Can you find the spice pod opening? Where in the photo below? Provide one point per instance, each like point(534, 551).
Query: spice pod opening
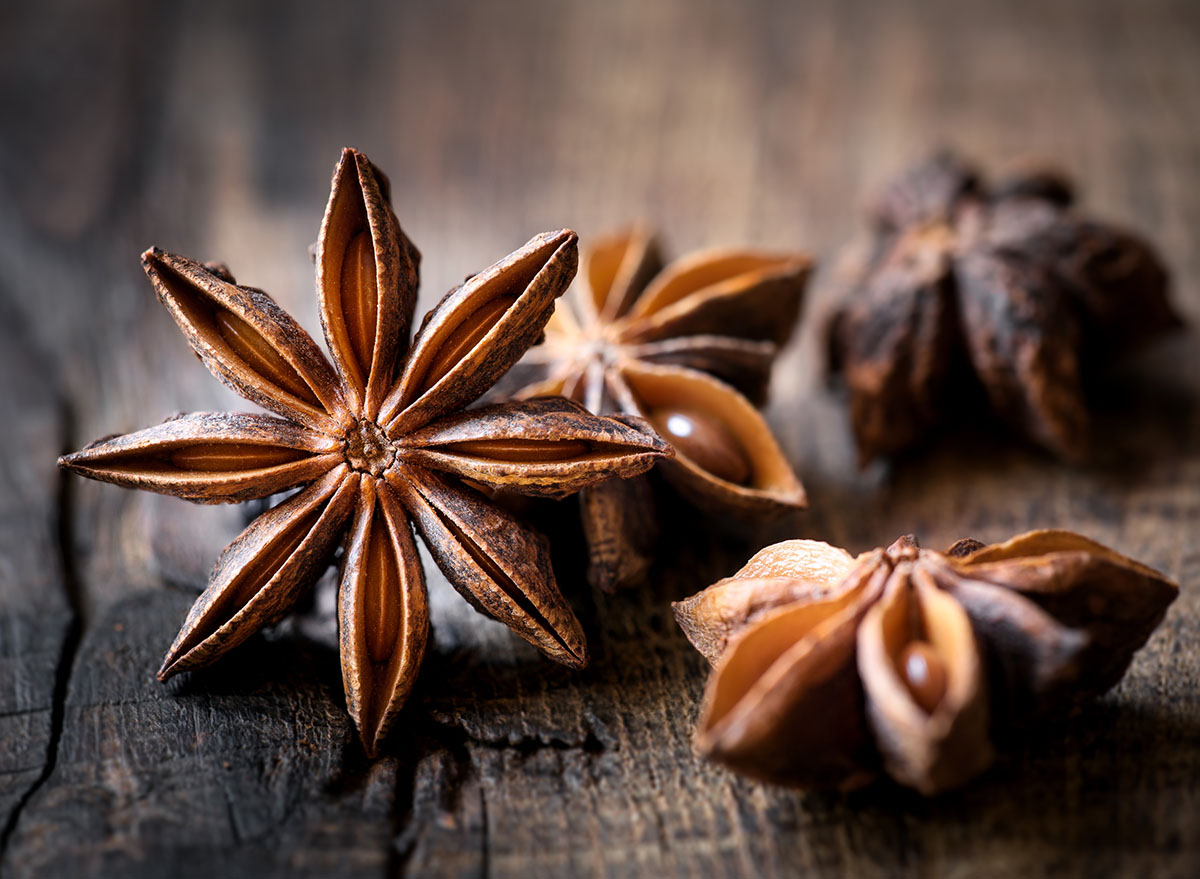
point(783, 704)
point(615, 270)
point(739, 293)
point(922, 675)
point(726, 456)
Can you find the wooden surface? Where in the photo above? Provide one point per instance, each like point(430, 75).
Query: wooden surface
point(211, 128)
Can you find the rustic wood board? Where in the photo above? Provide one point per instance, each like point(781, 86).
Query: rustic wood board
point(211, 129)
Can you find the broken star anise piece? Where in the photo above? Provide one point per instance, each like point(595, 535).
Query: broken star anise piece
point(829, 668)
point(1006, 295)
point(675, 345)
point(381, 441)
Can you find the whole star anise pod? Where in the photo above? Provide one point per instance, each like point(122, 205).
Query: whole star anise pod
point(675, 345)
point(1008, 289)
point(382, 442)
point(829, 669)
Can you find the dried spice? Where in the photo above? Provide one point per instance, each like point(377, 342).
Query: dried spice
point(688, 347)
point(1005, 295)
point(381, 441)
point(830, 669)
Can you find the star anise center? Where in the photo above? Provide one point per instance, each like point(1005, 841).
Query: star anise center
point(599, 345)
point(597, 341)
point(368, 449)
point(904, 549)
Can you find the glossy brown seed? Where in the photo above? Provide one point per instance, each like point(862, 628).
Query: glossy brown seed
point(248, 342)
point(383, 601)
point(260, 356)
point(465, 337)
point(210, 457)
point(257, 571)
point(549, 446)
point(924, 674)
point(342, 437)
point(521, 450)
point(263, 571)
point(360, 296)
point(705, 441)
point(930, 656)
point(226, 457)
point(638, 336)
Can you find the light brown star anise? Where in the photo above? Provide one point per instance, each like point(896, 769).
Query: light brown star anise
point(1004, 294)
point(382, 442)
point(675, 345)
point(829, 669)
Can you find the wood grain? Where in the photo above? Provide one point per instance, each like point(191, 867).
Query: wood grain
point(211, 129)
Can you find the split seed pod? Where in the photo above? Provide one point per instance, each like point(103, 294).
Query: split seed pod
point(830, 669)
point(689, 347)
point(382, 438)
point(1005, 293)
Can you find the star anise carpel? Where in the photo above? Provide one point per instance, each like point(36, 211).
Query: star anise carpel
point(1004, 294)
point(381, 441)
point(830, 669)
point(689, 346)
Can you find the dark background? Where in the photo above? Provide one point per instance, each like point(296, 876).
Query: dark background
point(211, 129)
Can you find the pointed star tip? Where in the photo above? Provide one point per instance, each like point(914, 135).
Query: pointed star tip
point(370, 739)
point(168, 669)
point(576, 657)
point(563, 237)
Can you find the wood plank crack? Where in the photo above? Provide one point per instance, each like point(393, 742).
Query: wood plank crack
point(71, 636)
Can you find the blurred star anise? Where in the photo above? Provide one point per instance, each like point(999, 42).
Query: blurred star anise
point(675, 345)
point(829, 669)
point(382, 442)
point(1008, 288)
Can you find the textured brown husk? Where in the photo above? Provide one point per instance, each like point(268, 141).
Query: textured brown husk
point(700, 333)
point(1007, 288)
point(808, 687)
point(383, 442)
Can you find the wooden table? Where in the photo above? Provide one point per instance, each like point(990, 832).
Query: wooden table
point(211, 129)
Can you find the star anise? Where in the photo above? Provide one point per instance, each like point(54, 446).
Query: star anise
point(1008, 288)
point(830, 668)
point(675, 345)
point(382, 442)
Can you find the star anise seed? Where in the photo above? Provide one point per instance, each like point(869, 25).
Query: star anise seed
point(829, 669)
point(381, 442)
point(1005, 294)
point(675, 345)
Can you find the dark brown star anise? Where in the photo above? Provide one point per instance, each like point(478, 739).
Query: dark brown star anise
point(675, 345)
point(830, 668)
point(381, 439)
point(1010, 289)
